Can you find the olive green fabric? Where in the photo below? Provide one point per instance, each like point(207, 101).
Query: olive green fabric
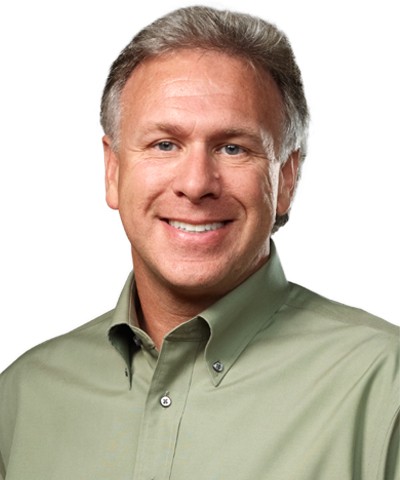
point(272, 382)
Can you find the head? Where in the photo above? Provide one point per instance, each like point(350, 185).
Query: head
point(205, 119)
point(264, 47)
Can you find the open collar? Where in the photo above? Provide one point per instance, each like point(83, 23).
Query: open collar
point(233, 321)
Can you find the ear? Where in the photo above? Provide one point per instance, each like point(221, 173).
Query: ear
point(287, 182)
point(111, 164)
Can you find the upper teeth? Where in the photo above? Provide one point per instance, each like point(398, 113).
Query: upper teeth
point(188, 227)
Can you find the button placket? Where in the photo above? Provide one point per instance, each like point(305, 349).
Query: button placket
point(164, 408)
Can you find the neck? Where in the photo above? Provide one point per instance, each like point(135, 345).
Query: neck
point(161, 312)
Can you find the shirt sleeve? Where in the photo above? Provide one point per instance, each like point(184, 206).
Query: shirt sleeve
point(392, 462)
point(2, 469)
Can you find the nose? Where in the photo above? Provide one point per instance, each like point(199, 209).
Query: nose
point(197, 176)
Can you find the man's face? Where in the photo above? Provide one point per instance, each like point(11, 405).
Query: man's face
point(195, 177)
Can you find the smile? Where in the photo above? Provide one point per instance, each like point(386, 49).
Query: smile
point(188, 227)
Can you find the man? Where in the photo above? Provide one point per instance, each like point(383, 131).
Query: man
point(212, 365)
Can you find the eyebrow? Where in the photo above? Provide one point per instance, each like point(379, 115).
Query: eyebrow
point(170, 128)
point(176, 130)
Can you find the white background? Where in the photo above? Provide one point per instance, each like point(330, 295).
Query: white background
point(64, 256)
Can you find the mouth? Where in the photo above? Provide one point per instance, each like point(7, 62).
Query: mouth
point(196, 228)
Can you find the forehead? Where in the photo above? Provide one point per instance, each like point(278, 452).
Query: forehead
point(202, 77)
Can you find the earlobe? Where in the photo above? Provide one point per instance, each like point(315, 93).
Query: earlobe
point(287, 182)
point(111, 164)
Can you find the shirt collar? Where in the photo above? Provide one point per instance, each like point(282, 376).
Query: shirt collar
point(233, 321)
point(120, 333)
point(236, 318)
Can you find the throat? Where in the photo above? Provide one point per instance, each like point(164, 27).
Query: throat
point(160, 317)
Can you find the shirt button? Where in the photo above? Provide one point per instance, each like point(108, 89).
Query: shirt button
point(165, 401)
point(218, 366)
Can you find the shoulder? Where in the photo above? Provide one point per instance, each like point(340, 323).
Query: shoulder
point(352, 342)
point(48, 376)
point(58, 349)
point(332, 314)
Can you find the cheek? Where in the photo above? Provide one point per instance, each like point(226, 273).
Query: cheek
point(262, 188)
point(140, 185)
point(271, 191)
point(270, 183)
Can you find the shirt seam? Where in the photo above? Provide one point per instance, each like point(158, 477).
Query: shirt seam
point(344, 322)
point(386, 439)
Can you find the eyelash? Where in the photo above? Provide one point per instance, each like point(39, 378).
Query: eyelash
point(230, 145)
point(170, 147)
point(164, 143)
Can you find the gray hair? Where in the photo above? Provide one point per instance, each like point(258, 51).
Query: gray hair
point(261, 43)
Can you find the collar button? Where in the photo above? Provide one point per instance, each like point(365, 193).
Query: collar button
point(218, 366)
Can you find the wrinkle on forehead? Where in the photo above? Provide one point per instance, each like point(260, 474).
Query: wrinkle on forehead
point(211, 59)
point(198, 76)
point(202, 76)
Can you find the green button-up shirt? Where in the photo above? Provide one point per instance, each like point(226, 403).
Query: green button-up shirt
point(271, 382)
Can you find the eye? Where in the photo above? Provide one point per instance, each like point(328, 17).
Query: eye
point(165, 146)
point(232, 149)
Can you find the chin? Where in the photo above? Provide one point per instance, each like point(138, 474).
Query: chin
point(196, 284)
